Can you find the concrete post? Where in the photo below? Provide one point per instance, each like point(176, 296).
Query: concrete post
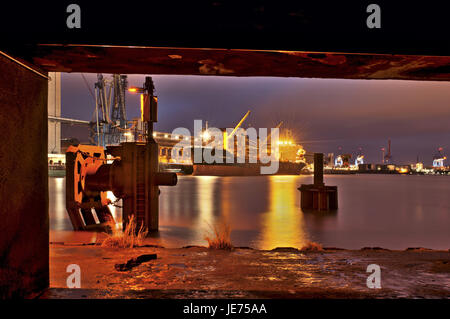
point(24, 228)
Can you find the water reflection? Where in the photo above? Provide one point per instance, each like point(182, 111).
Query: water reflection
point(57, 191)
point(283, 225)
point(207, 202)
point(388, 211)
point(115, 209)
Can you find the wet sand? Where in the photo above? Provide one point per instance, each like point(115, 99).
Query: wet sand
point(199, 272)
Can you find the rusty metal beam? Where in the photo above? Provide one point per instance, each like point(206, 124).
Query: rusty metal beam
point(322, 39)
point(233, 62)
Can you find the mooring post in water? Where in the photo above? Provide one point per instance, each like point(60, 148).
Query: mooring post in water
point(318, 169)
point(317, 196)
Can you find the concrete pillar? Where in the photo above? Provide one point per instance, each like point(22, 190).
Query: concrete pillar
point(54, 109)
point(24, 229)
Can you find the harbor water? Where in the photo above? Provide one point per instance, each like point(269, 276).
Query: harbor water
point(389, 211)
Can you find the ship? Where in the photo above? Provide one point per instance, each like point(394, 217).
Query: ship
point(290, 157)
point(244, 169)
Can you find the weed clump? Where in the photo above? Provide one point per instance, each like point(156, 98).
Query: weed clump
point(128, 238)
point(312, 246)
point(219, 236)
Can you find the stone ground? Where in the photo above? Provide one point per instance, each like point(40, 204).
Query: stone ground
point(198, 272)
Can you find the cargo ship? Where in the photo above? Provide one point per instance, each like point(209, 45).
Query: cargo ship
point(244, 169)
point(290, 158)
point(289, 155)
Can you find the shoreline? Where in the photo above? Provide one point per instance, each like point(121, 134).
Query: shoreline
point(284, 272)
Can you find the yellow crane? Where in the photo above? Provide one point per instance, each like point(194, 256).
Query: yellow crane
point(267, 138)
point(278, 126)
point(226, 137)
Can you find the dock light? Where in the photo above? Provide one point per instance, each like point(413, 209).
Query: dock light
point(134, 89)
point(128, 134)
point(166, 135)
point(206, 135)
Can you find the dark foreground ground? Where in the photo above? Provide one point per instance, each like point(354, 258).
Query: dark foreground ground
point(198, 272)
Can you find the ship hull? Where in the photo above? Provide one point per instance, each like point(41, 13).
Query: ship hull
point(248, 169)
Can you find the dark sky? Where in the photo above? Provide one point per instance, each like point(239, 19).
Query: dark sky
point(324, 114)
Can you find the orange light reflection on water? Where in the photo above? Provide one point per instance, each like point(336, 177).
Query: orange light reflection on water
point(205, 202)
point(283, 224)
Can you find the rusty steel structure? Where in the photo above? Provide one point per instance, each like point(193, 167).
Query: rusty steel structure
point(84, 205)
point(131, 174)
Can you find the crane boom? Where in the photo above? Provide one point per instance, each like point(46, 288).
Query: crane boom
point(278, 126)
point(226, 137)
point(239, 124)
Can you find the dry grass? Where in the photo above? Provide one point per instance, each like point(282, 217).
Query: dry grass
point(129, 238)
point(219, 237)
point(312, 246)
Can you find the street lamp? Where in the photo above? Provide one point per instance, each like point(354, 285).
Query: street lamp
point(149, 104)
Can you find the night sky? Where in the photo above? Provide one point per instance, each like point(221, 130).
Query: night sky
point(325, 115)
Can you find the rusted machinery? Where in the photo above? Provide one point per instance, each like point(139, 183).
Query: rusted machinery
point(131, 173)
point(84, 205)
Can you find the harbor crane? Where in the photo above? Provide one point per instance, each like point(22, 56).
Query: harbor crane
point(271, 133)
point(387, 159)
point(109, 119)
point(227, 137)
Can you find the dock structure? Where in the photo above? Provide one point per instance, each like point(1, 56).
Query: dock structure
point(318, 196)
point(26, 58)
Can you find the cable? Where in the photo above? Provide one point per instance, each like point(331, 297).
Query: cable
point(87, 85)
